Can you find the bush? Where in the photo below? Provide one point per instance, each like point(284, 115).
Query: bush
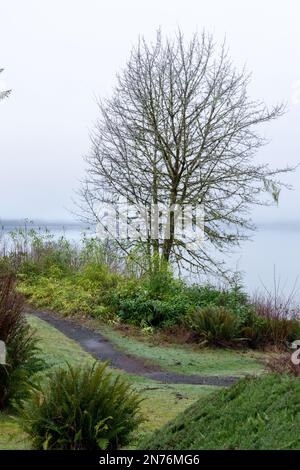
point(256, 331)
point(82, 409)
point(268, 325)
point(154, 300)
point(22, 363)
point(214, 325)
point(22, 359)
point(159, 313)
point(160, 300)
point(217, 325)
point(264, 331)
point(202, 296)
point(64, 295)
point(161, 285)
point(97, 278)
point(284, 330)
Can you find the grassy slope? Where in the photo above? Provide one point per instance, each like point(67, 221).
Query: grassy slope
point(261, 413)
point(162, 402)
point(185, 359)
point(11, 437)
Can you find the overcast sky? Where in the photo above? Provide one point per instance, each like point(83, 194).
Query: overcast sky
point(59, 55)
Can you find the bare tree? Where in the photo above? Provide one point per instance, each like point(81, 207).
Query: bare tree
point(180, 129)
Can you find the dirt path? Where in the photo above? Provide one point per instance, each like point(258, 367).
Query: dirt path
point(101, 348)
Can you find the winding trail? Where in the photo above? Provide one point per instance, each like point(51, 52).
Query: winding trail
point(101, 348)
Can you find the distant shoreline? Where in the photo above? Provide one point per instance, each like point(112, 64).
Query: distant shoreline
point(15, 223)
point(39, 222)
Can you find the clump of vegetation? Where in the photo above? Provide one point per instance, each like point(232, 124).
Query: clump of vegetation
point(215, 325)
point(262, 331)
point(84, 408)
point(153, 299)
point(260, 413)
point(22, 359)
point(283, 364)
point(277, 320)
point(158, 299)
point(95, 280)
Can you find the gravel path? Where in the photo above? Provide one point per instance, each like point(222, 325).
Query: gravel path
point(101, 348)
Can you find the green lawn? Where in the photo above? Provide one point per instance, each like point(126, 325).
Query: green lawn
point(11, 436)
point(162, 402)
point(186, 359)
point(254, 414)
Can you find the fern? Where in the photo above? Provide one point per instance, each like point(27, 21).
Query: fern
point(81, 408)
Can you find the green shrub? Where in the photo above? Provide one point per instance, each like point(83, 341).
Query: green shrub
point(256, 331)
point(6, 267)
point(202, 296)
point(64, 295)
point(217, 325)
point(155, 300)
point(160, 313)
point(214, 325)
point(22, 359)
point(160, 300)
point(98, 252)
point(99, 276)
point(81, 408)
point(16, 376)
point(161, 285)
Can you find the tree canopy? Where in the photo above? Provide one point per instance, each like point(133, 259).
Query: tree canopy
point(181, 129)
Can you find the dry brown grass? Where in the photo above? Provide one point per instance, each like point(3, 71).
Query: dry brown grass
point(282, 364)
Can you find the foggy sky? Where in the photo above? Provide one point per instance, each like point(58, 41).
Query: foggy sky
point(59, 55)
